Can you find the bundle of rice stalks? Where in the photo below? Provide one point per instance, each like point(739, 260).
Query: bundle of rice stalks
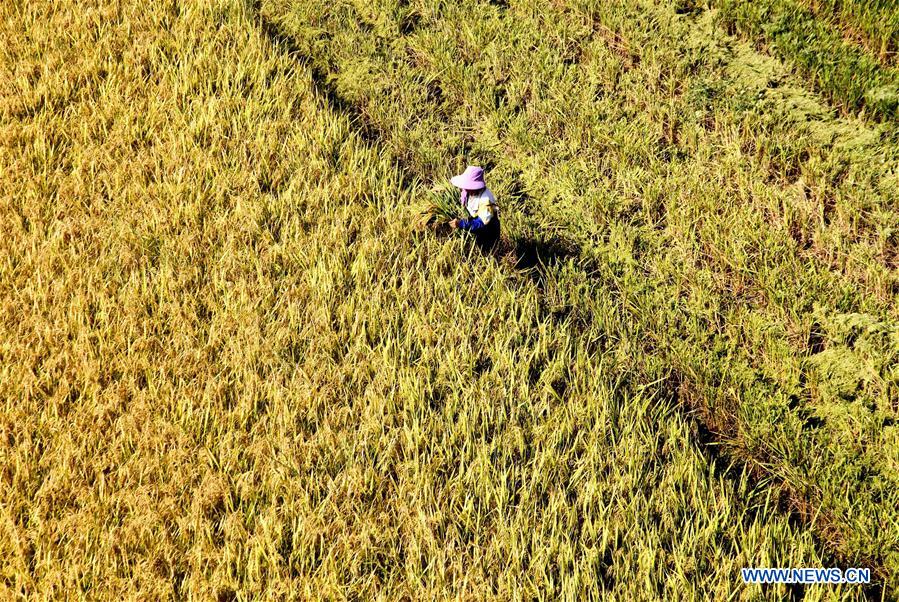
point(443, 206)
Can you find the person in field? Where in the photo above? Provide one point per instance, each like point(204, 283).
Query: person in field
point(481, 206)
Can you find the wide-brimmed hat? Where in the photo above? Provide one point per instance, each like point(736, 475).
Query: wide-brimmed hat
point(471, 179)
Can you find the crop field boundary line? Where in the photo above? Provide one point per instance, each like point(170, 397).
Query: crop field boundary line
point(727, 458)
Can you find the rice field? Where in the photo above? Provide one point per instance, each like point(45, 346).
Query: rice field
point(241, 359)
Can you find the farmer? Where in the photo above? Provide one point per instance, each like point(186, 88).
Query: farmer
point(481, 205)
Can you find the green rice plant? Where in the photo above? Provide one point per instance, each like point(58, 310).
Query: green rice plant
point(852, 77)
point(874, 23)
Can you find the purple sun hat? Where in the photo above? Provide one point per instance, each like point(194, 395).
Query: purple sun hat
point(471, 179)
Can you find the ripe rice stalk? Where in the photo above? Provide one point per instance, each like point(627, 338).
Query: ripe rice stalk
point(442, 206)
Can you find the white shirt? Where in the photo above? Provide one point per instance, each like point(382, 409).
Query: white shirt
point(482, 205)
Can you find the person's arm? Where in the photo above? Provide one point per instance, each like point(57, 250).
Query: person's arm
point(472, 225)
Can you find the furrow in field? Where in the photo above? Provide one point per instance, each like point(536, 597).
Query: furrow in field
point(678, 213)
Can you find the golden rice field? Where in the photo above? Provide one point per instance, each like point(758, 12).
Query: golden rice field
point(236, 364)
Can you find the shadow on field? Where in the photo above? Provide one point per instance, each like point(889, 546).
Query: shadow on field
point(534, 258)
point(530, 253)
